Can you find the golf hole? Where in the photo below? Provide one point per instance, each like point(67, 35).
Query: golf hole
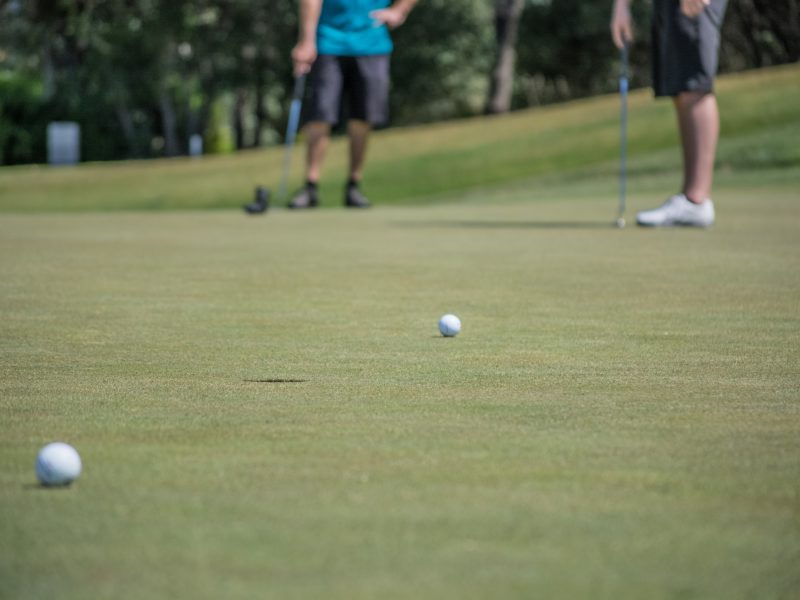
point(275, 380)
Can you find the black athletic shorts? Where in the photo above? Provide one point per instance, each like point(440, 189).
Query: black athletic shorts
point(362, 80)
point(685, 50)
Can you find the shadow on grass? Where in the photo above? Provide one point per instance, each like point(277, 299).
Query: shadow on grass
point(45, 488)
point(510, 224)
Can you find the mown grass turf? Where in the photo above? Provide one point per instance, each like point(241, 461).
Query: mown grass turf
point(265, 409)
point(760, 128)
point(618, 418)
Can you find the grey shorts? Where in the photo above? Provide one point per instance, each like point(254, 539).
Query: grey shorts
point(362, 80)
point(685, 50)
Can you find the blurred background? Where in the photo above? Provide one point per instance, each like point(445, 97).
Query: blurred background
point(143, 78)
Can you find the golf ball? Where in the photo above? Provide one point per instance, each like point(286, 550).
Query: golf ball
point(449, 325)
point(57, 464)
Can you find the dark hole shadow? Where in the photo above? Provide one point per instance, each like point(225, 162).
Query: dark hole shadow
point(275, 380)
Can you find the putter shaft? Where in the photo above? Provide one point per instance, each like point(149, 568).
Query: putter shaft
point(623, 133)
point(291, 132)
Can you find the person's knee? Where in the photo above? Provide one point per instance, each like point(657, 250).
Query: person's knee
point(690, 98)
point(317, 130)
point(358, 126)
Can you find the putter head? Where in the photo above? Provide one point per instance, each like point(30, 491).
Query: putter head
point(260, 204)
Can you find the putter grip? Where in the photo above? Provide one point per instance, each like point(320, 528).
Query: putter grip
point(299, 87)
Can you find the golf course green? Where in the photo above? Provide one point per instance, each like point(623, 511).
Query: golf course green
point(265, 408)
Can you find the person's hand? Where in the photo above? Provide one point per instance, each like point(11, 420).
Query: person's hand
point(392, 17)
point(692, 8)
point(621, 24)
point(303, 55)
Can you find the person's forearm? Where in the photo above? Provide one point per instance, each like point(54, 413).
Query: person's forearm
point(309, 19)
point(404, 5)
point(621, 23)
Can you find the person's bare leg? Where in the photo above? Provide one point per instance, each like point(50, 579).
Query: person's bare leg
point(698, 120)
point(318, 135)
point(358, 131)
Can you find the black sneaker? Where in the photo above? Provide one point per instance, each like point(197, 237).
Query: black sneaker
point(260, 204)
point(305, 198)
point(353, 198)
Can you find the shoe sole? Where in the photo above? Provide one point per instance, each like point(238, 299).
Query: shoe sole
point(668, 225)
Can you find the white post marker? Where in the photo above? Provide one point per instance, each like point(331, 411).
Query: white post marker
point(63, 143)
point(196, 145)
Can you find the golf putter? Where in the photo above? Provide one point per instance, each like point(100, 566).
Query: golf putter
point(261, 202)
point(623, 133)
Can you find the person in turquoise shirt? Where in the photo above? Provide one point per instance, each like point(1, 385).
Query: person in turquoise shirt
point(345, 47)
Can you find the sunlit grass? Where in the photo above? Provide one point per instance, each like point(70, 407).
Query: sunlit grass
point(265, 409)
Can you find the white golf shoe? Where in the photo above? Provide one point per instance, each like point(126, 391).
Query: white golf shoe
point(678, 211)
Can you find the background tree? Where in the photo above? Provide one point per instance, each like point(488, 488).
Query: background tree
point(441, 61)
point(506, 23)
point(760, 33)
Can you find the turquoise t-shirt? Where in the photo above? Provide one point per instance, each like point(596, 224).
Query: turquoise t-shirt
point(346, 29)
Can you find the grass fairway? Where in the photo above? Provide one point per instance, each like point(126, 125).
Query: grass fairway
point(265, 409)
point(618, 418)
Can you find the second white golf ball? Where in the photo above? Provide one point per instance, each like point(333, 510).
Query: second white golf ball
point(58, 464)
point(449, 325)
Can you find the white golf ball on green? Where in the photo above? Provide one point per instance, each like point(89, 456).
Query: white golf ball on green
point(449, 325)
point(57, 464)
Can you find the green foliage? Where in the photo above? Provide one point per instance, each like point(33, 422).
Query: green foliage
point(218, 138)
point(22, 123)
point(442, 60)
point(759, 33)
point(565, 51)
point(135, 73)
